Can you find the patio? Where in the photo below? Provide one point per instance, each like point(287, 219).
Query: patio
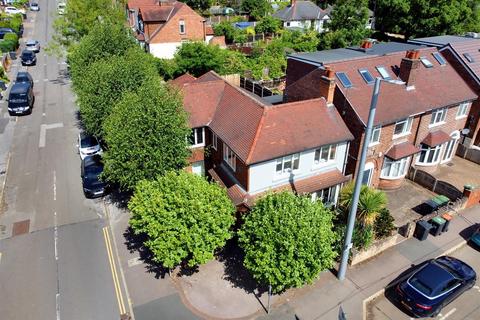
point(459, 172)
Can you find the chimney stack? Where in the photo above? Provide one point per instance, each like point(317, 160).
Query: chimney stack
point(366, 44)
point(327, 85)
point(409, 66)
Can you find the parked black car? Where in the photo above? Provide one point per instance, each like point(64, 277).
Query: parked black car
point(4, 30)
point(434, 285)
point(24, 77)
point(29, 58)
point(92, 167)
point(21, 99)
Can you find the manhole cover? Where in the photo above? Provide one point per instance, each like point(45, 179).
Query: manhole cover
point(450, 164)
point(20, 227)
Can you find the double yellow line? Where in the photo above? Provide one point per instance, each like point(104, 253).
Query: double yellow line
point(116, 282)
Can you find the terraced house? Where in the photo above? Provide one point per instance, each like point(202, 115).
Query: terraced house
point(251, 147)
point(418, 123)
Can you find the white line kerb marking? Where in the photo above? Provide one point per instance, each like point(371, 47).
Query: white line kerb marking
point(449, 313)
point(54, 187)
point(43, 132)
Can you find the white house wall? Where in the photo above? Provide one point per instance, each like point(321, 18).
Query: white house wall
point(263, 176)
point(164, 50)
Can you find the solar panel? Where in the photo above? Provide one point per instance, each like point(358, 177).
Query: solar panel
point(439, 58)
point(468, 57)
point(426, 62)
point(366, 75)
point(383, 72)
point(342, 76)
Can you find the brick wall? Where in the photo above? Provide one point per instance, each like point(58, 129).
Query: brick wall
point(297, 69)
point(194, 27)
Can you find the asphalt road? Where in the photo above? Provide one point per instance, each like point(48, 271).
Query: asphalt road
point(60, 268)
point(465, 307)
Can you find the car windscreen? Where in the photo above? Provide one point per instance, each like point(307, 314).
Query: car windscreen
point(22, 78)
point(30, 44)
point(88, 142)
point(27, 54)
point(18, 98)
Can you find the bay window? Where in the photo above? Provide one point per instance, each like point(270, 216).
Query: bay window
point(429, 155)
point(327, 195)
point(394, 169)
point(326, 153)
point(288, 163)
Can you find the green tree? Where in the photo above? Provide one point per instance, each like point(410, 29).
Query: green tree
point(146, 135)
point(256, 9)
point(371, 203)
point(103, 83)
point(109, 39)
point(287, 240)
point(185, 217)
point(225, 28)
point(201, 5)
point(268, 25)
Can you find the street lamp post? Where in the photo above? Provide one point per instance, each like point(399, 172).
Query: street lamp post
point(358, 182)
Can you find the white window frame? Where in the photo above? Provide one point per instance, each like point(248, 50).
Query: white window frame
point(370, 167)
point(229, 157)
point(438, 117)
point(182, 27)
point(195, 143)
point(462, 111)
point(214, 140)
point(287, 164)
point(377, 141)
point(407, 128)
point(330, 151)
point(330, 193)
point(394, 169)
point(435, 152)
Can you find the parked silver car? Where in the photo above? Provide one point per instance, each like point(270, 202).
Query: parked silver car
point(32, 45)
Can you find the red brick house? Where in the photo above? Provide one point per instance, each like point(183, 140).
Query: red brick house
point(254, 147)
point(417, 123)
point(463, 53)
point(162, 25)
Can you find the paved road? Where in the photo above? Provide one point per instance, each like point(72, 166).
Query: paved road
point(467, 306)
point(59, 268)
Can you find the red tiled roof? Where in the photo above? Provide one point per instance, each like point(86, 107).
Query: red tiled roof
point(395, 102)
point(135, 4)
point(256, 131)
point(153, 14)
point(182, 80)
point(236, 193)
point(401, 150)
point(320, 181)
point(436, 138)
point(472, 48)
point(140, 37)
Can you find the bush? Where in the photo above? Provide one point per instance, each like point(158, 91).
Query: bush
point(362, 237)
point(13, 38)
point(383, 226)
point(8, 45)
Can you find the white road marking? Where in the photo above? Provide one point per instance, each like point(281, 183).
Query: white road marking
point(0, 257)
point(54, 186)
point(57, 304)
point(449, 313)
point(36, 81)
point(45, 80)
point(43, 132)
point(55, 238)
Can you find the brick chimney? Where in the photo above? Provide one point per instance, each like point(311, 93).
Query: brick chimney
point(409, 66)
point(327, 85)
point(366, 44)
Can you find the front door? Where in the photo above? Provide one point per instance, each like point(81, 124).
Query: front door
point(448, 154)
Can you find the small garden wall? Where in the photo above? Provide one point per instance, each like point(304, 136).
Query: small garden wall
point(376, 248)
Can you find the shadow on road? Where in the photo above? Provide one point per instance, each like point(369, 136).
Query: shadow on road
point(467, 232)
point(135, 243)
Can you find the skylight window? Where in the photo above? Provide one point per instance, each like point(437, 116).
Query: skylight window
point(439, 58)
point(367, 76)
point(426, 62)
point(469, 57)
point(383, 72)
point(342, 76)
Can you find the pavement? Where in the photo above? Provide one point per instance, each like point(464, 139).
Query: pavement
point(56, 258)
point(221, 290)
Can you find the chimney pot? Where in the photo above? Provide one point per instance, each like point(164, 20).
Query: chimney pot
point(366, 44)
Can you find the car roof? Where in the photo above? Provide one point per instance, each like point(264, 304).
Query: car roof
point(23, 74)
point(31, 42)
point(94, 160)
point(20, 87)
point(27, 51)
point(434, 276)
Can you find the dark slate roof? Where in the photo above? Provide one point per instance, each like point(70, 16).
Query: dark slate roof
point(302, 10)
point(440, 41)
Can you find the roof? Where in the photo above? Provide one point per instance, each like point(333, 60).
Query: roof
point(395, 102)
point(320, 181)
point(401, 150)
point(440, 41)
point(436, 138)
point(182, 80)
point(256, 131)
point(163, 13)
point(302, 10)
point(135, 4)
point(471, 48)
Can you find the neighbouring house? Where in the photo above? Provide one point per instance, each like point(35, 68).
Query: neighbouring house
point(417, 123)
point(161, 26)
point(252, 147)
point(303, 15)
point(463, 53)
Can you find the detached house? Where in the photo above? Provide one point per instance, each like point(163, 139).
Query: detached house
point(254, 147)
point(162, 25)
point(417, 123)
point(304, 15)
point(463, 53)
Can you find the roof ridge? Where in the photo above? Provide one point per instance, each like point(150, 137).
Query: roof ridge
point(293, 103)
point(257, 134)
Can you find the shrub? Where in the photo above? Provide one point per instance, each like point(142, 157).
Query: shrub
point(383, 226)
point(13, 38)
point(362, 237)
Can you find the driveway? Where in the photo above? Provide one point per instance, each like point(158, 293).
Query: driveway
point(459, 172)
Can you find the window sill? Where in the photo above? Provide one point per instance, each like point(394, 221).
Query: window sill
point(197, 146)
point(401, 135)
point(433, 125)
point(427, 164)
point(461, 117)
point(390, 178)
point(371, 145)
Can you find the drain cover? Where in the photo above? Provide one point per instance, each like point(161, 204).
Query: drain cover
point(20, 227)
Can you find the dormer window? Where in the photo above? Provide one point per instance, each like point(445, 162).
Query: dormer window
point(426, 62)
point(383, 72)
point(367, 76)
point(181, 26)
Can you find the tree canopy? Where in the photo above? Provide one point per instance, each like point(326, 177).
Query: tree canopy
point(199, 4)
point(146, 135)
point(185, 217)
point(287, 240)
point(423, 18)
point(257, 9)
